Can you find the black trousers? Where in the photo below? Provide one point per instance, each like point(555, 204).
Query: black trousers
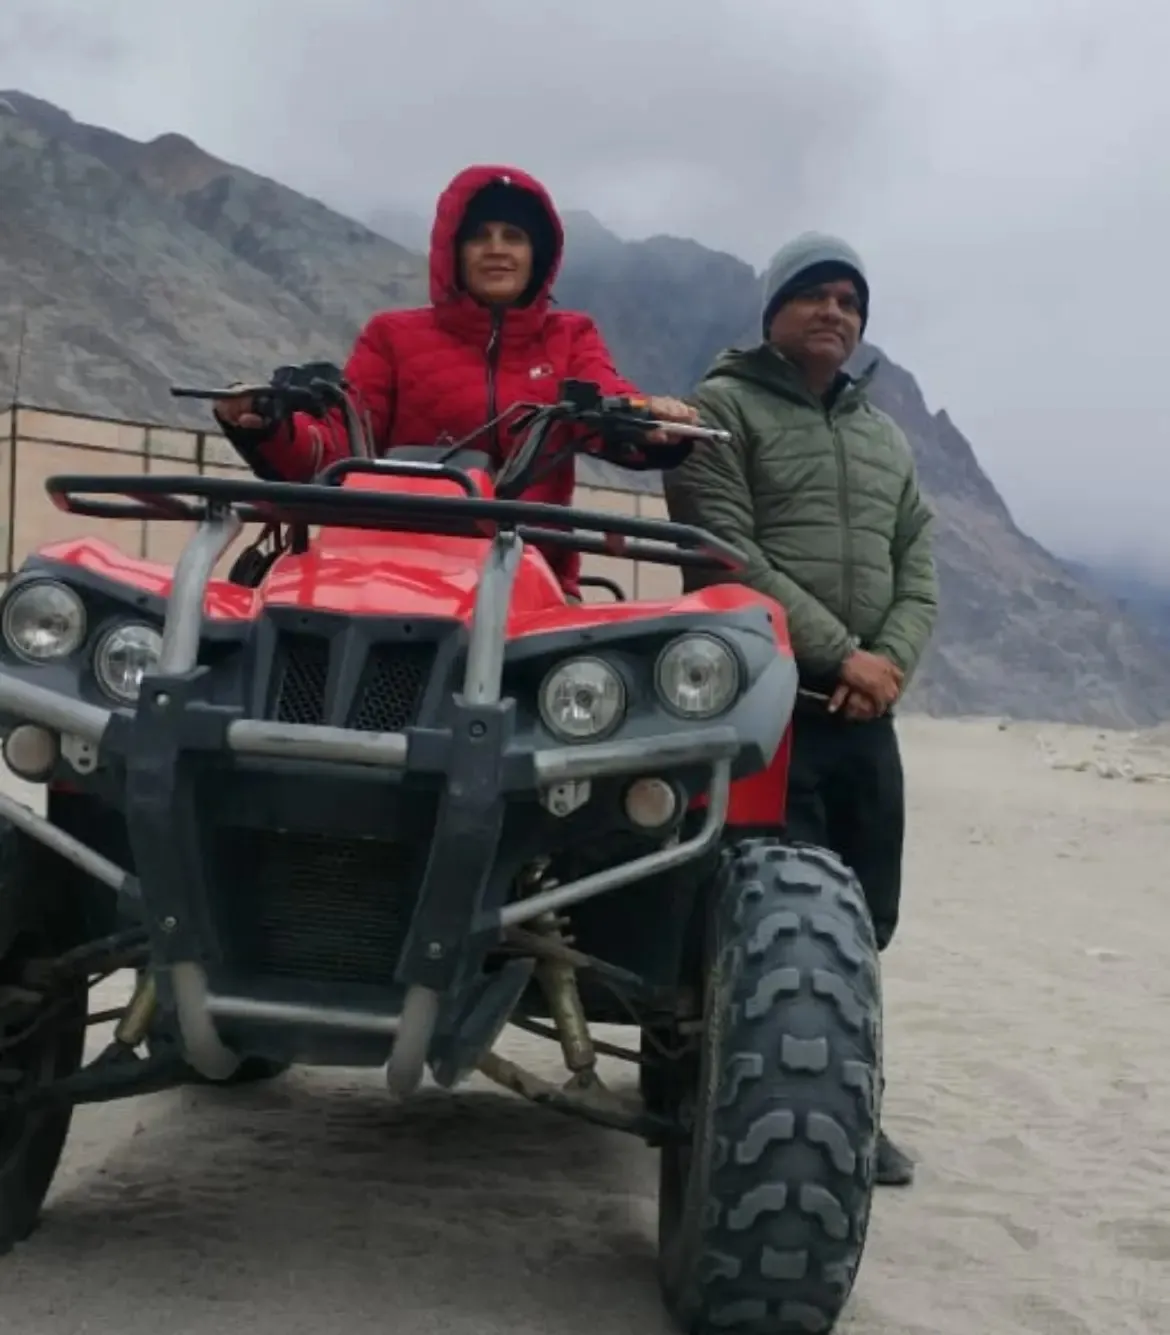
point(846, 793)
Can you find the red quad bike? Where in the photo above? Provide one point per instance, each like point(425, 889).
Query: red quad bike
point(385, 791)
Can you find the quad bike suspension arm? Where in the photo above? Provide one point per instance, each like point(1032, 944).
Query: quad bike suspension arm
point(585, 1094)
point(111, 1075)
point(594, 1104)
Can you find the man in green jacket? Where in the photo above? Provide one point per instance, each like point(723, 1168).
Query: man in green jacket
point(819, 490)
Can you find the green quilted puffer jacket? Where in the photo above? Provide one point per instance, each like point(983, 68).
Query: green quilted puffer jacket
point(823, 498)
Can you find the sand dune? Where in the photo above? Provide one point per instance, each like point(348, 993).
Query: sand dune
point(1029, 1054)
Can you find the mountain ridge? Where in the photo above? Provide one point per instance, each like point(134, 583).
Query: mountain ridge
point(131, 266)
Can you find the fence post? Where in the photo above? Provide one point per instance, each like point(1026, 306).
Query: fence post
point(10, 542)
point(146, 442)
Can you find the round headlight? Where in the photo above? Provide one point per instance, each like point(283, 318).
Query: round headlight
point(124, 656)
point(43, 621)
point(698, 676)
point(582, 700)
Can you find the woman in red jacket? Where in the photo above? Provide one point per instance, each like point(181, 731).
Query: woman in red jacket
point(487, 340)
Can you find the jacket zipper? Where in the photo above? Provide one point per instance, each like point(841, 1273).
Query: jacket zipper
point(843, 512)
point(492, 357)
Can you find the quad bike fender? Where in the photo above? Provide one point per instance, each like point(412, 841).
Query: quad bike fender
point(760, 800)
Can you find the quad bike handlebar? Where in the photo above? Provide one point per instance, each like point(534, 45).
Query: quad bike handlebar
point(312, 388)
point(620, 424)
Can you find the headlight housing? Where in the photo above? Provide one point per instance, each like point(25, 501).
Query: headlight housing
point(698, 676)
point(43, 622)
point(123, 657)
point(582, 700)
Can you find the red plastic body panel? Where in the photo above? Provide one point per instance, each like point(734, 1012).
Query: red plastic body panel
point(762, 799)
point(367, 573)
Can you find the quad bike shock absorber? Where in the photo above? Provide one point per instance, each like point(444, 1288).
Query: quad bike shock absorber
point(558, 981)
point(139, 1013)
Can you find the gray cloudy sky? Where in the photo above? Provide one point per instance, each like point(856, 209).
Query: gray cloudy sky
point(1004, 166)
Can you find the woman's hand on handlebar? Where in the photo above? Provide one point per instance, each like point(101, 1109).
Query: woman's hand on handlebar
point(666, 409)
point(240, 412)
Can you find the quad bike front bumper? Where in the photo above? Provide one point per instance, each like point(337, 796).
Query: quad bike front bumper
point(473, 762)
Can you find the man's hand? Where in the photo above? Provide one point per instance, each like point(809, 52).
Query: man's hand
point(669, 410)
point(854, 704)
point(869, 685)
point(860, 708)
point(873, 675)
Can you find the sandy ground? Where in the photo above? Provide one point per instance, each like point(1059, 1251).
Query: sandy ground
point(1028, 1043)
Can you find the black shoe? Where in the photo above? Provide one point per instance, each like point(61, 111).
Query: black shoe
point(894, 1168)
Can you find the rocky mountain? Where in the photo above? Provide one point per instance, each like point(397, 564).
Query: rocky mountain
point(666, 304)
point(129, 266)
point(1018, 632)
point(125, 267)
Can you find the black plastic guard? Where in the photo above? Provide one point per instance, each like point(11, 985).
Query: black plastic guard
point(463, 850)
point(161, 816)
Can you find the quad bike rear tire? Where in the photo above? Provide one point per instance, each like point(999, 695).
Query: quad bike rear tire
point(36, 894)
point(763, 1213)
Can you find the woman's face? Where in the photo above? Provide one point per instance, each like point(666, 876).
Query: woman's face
point(496, 263)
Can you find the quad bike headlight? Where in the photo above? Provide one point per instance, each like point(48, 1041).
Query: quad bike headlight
point(43, 622)
point(582, 700)
point(698, 676)
point(124, 656)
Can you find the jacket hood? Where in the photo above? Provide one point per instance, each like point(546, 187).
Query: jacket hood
point(452, 206)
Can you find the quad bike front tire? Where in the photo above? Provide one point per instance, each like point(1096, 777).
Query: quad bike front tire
point(36, 896)
point(764, 1209)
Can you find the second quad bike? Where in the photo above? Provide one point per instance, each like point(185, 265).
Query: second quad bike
point(385, 790)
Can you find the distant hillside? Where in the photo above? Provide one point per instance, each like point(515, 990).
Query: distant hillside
point(135, 265)
point(1141, 597)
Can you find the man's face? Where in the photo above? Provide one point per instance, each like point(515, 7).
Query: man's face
point(821, 327)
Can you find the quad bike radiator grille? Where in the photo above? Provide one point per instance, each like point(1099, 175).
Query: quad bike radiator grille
point(313, 907)
point(301, 673)
point(389, 693)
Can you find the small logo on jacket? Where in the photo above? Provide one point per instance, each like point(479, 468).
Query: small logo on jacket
point(539, 372)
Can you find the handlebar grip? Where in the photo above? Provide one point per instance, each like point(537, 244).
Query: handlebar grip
point(235, 392)
point(179, 392)
point(627, 405)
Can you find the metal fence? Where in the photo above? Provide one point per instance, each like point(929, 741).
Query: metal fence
point(37, 443)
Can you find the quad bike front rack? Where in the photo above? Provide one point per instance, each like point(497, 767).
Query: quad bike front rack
point(220, 507)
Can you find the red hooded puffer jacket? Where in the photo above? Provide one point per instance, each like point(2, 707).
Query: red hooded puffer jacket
point(446, 369)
